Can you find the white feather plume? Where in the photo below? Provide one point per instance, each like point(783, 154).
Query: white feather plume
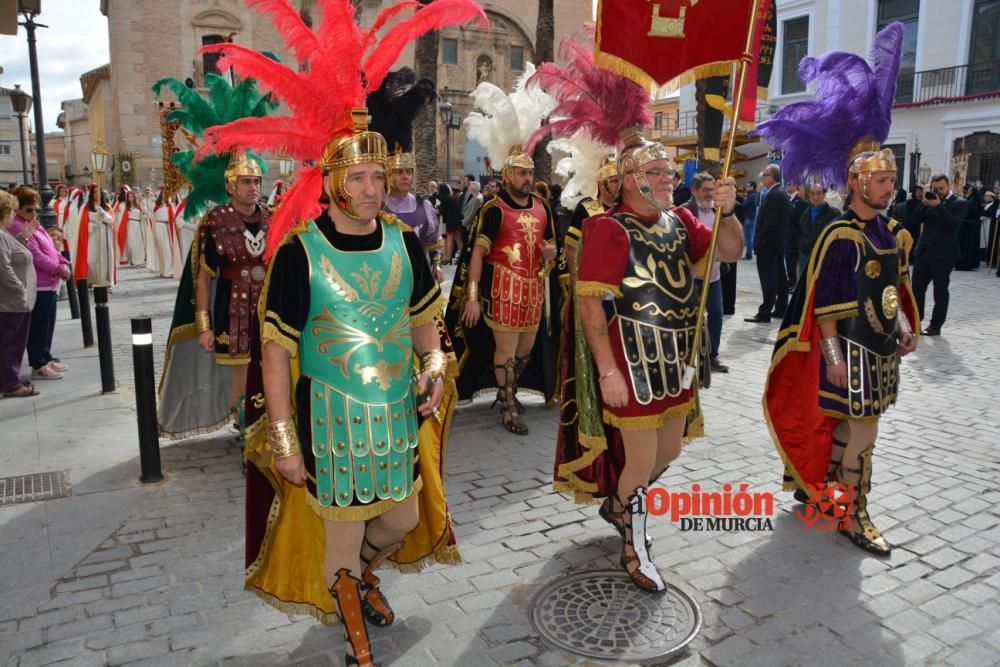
point(503, 121)
point(580, 168)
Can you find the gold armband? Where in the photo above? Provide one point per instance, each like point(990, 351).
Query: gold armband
point(434, 362)
point(472, 291)
point(283, 438)
point(832, 353)
point(203, 321)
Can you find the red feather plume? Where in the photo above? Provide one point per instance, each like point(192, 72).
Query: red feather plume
point(599, 103)
point(338, 65)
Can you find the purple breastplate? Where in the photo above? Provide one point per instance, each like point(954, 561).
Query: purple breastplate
point(417, 221)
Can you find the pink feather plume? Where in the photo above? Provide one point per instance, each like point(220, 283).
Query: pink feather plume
point(591, 100)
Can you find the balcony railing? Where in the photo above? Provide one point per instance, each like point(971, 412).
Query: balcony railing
point(948, 83)
point(677, 125)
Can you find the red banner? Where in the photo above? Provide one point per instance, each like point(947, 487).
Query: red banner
point(759, 73)
point(655, 43)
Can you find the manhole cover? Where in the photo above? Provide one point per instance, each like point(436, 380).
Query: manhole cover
point(603, 615)
point(31, 488)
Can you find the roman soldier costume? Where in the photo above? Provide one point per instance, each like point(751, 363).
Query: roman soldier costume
point(517, 289)
point(195, 394)
point(641, 267)
point(343, 307)
point(393, 108)
point(857, 277)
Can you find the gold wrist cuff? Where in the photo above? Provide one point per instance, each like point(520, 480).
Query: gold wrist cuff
point(832, 353)
point(203, 321)
point(283, 438)
point(472, 291)
point(434, 362)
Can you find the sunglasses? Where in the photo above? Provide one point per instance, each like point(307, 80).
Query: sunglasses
point(30, 209)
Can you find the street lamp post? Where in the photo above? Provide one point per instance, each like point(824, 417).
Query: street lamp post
point(285, 166)
point(914, 163)
point(924, 175)
point(21, 102)
point(30, 9)
point(446, 113)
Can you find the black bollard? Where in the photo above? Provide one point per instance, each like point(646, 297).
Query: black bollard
point(74, 303)
point(104, 350)
point(145, 400)
point(85, 324)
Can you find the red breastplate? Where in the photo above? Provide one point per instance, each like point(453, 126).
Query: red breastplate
point(516, 292)
point(518, 245)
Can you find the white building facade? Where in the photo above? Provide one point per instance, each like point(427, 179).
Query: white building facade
point(948, 92)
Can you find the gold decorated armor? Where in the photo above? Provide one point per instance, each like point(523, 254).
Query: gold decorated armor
point(657, 306)
point(357, 351)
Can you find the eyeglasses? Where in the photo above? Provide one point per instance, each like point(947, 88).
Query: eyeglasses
point(31, 209)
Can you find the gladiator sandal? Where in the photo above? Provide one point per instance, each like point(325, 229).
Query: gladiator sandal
point(859, 527)
point(509, 415)
point(643, 573)
point(520, 363)
point(836, 456)
point(612, 511)
point(347, 597)
point(373, 603)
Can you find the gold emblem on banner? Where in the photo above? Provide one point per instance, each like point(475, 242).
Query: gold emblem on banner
point(873, 269)
point(668, 26)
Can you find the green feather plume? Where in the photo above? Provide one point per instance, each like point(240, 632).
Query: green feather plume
point(222, 104)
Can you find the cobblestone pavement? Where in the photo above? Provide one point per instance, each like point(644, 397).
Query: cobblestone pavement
point(163, 585)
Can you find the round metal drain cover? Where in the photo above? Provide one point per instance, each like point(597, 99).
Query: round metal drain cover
point(603, 615)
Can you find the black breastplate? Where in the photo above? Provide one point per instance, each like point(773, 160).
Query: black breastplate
point(657, 307)
point(876, 276)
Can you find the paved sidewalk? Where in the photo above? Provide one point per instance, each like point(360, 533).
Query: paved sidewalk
point(122, 573)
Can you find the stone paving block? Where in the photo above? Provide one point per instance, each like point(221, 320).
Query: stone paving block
point(954, 631)
point(909, 622)
point(141, 614)
point(729, 651)
point(45, 620)
point(116, 636)
point(64, 600)
point(512, 652)
point(952, 577)
point(79, 628)
point(147, 654)
point(51, 653)
point(158, 582)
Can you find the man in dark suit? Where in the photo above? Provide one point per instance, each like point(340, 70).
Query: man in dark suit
point(813, 220)
point(769, 244)
point(938, 222)
point(797, 198)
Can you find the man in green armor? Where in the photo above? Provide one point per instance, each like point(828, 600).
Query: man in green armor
point(349, 298)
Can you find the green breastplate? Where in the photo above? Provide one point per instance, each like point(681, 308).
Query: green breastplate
point(356, 350)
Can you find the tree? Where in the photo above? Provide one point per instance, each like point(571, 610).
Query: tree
point(425, 63)
point(545, 35)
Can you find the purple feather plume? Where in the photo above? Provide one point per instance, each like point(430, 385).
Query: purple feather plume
point(853, 101)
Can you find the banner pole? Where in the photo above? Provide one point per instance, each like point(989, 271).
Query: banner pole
point(691, 369)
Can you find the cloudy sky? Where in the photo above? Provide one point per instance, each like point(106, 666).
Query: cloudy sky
point(75, 41)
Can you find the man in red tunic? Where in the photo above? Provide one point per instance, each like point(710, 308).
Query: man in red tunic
point(513, 248)
point(638, 303)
